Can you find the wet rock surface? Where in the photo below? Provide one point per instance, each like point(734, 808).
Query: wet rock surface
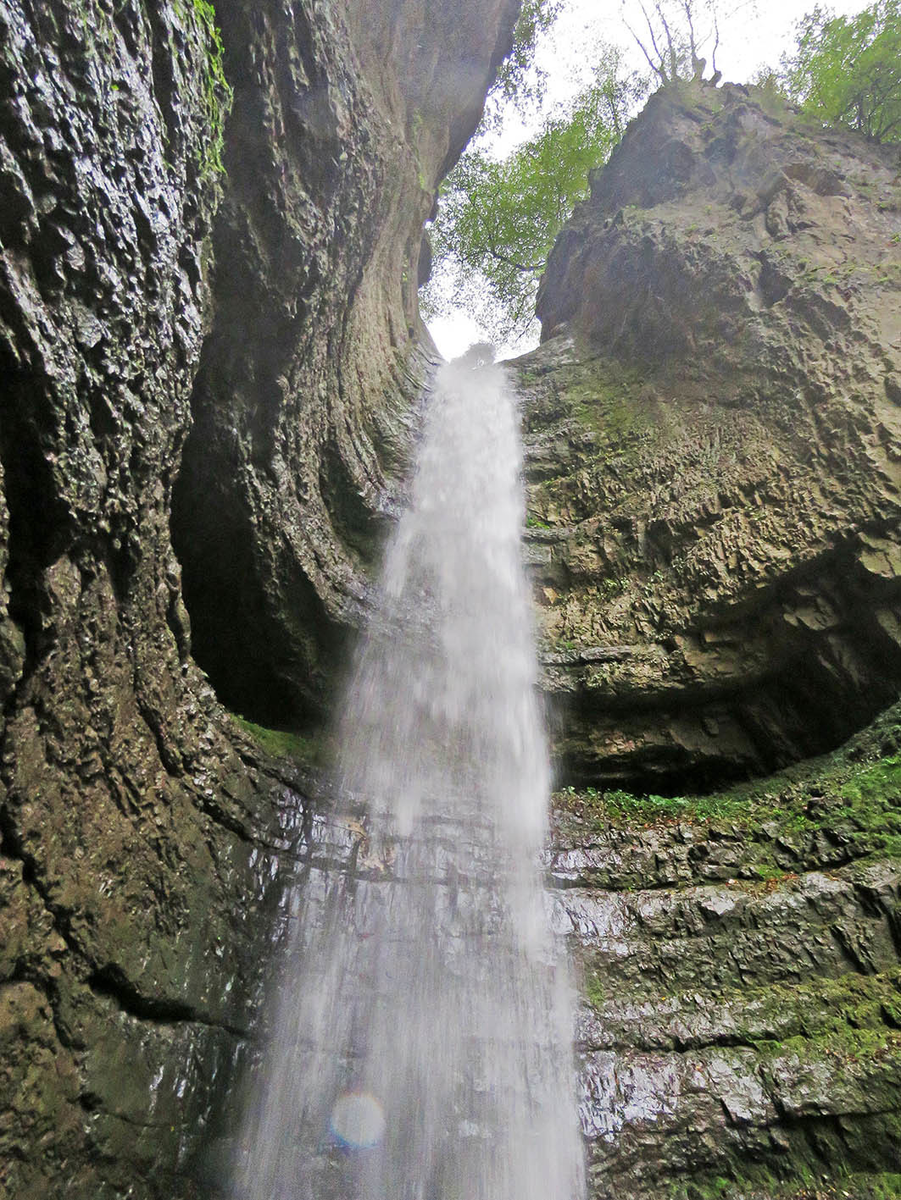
point(159, 255)
point(344, 120)
point(742, 979)
point(742, 1021)
point(128, 810)
point(713, 443)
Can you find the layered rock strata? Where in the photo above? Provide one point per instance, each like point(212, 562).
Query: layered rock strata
point(741, 966)
point(344, 120)
point(713, 443)
point(713, 439)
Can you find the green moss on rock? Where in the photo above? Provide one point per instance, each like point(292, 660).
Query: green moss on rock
point(306, 749)
point(217, 91)
point(853, 795)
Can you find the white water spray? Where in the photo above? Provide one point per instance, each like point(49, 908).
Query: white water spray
point(424, 1049)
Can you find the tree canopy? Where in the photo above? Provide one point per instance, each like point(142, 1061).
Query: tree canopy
point(847, 70)
point(497, 219)
point(518, 80)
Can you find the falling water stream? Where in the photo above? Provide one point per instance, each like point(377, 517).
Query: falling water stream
point(422, 1044)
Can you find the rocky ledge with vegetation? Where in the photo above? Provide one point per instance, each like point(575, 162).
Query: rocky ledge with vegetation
point(713, 439)
point(740, 958)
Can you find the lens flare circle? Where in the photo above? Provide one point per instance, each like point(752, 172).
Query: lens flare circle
point(357, 1121)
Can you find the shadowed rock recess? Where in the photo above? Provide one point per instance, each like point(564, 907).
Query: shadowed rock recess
point(208, 336)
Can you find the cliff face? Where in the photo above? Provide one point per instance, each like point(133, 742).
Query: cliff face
point(713, 425)
point(741, 968)
point(342, 125)
point(712, 458)
point(143, 292)
point(208, 338)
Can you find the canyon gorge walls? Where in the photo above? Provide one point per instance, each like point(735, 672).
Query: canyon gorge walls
point(211, 356)
point(224, 237)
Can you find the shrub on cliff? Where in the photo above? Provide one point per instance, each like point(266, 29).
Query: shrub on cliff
point(673, 33)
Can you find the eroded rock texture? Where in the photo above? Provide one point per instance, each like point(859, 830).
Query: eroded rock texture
point(140, 828)
point(713, 465)
point(344, 121)
point(742, 974)
point(713, 441)
point(714, 499)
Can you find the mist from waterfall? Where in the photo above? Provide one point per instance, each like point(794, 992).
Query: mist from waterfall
point(422, 1040)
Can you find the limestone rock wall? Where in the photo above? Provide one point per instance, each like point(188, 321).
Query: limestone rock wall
point(165, 265)
point(740, 959)
point(344, 119)
point(714, 440)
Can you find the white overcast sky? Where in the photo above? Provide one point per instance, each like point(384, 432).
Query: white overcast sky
point(753, 33)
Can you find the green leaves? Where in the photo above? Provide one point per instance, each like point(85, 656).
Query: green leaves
point(497, 220)
point(847, 70)
point(517, 78)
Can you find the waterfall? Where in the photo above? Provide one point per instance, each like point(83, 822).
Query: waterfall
point(422, 1043)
